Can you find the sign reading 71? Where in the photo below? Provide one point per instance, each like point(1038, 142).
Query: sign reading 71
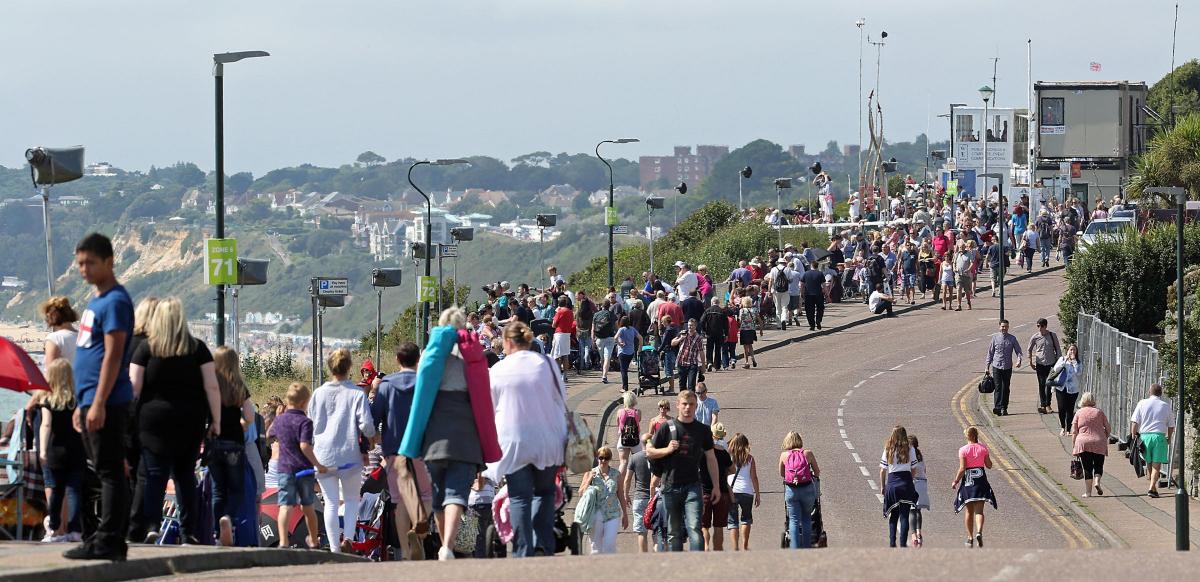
point(220, 261)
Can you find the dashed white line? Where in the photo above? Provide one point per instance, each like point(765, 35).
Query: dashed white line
point(876, 374)
point(843, 431)
point(915, 359)
point(856, 458)
point(849, 445)
point(843, 402)
point(895, 368)
point(872, 485)
point(970, 341)
point(841, 422)
point(942, 350)
point(848, 393)
point(860, 383)
point(880, 496)
point(840, 412)
point(864, 471)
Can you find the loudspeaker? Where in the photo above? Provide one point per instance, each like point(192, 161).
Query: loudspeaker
point(681, 188)
point(55, 165)
point(655, 201)
point(783, 183)
point(890, 165)
point(419, 250)
point(544, 220)
point(385, 277)
point(252, 271)
point(331, 300)
point(815, 168)
point(746, 172)
point(462, 233)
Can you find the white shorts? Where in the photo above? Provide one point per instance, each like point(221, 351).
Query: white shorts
point(562, 345)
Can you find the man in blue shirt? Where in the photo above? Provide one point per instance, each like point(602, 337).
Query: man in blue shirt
point(390, 409)
point(1004, 354)
point(103, 392)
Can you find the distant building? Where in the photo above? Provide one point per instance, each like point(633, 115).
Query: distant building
point(72, 201)
point(559, 196)
point(683, 166)
point(13, 284)
point(600, 197)
point(102, 169)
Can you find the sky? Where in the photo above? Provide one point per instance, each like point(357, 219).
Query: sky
point(132, 80)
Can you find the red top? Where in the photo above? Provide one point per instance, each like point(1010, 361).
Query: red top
point(732, 336)
point(564, 320)
point(674, 310)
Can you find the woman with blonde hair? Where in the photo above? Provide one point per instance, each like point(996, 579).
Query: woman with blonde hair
point(610, 503)
point(175, 377)
point(629, 424)
point(1089, 441)
point(896, 484)
point(743, 484)
point(972, 485)
point(800, 472)
point(747, 319)
point(62, 456)
point(227, 458)
point(340, 413)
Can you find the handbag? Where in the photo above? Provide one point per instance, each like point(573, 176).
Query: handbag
point(987, 385)
point(468, 533)
point(579, 452)
point(1076, 468)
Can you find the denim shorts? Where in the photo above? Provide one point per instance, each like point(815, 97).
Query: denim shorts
point(451, 482)
point(910, 281)
point(295, 490)
point(639, 510)
point(741, 510)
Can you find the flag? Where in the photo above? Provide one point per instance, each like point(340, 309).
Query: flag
point(1095, 67)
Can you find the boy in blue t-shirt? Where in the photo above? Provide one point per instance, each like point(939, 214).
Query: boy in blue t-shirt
point(391, 408)
point(103, 392)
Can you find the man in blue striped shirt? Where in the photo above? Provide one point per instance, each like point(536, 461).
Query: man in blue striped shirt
point(999, 365)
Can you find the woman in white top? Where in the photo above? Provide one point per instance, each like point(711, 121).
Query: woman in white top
point(58, 315)
point(531, 426)
point(743, 484)
point(922, 484)
point(1064, 376)
point(896, 484)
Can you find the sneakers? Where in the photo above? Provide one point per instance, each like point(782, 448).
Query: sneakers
point(151, 538)
point(445, 554)
point(94, 551)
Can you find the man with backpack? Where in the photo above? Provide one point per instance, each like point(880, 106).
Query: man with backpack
point(876, 266)
point(604, 331)
point(779, 289)
point(715, 326)
point(680, 449)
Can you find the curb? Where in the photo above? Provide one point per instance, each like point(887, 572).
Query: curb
point(187, 563)
point(1039, 473)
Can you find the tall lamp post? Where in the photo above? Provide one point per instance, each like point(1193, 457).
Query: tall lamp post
point(1178, 195)
point(219, 62)
point(429, 228)
point(860, 23)
point(743, 175)
point(610, 216)
point(652, 203)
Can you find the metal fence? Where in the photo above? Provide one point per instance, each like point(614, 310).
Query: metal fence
point(1117, 369)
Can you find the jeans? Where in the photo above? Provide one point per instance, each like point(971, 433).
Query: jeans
point(1003, 380)
point(814, 309)
point(65, 484)
point(181, 466)
point(728, 354)
point(625, 361)
point(1027, 258)
point(898, 517)
point(712, 350)
point(688, 376)
point(1043, 372)
point(106, 449)
point(668, 363)
point(799, 502)
point(1045, 249)
point(1067, 253)
point(683, 505)
point(884, 306)
point(585, 350)
point(531, 510)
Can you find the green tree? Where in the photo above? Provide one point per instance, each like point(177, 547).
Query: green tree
point(257, 209)
point(768, 161)
point(239, 182)
point(580, 203)
point(1172, 160)
point(1178, 92)
point(370, 158)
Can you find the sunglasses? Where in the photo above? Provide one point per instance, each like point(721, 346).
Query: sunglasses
point(605, 458)
point(664, 407)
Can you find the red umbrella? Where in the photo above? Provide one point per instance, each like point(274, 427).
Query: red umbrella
point(17, 370)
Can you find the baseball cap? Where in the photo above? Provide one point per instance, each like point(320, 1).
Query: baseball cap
point(781, 262)
point(679, 263)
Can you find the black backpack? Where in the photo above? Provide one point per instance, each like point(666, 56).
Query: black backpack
point(603, 323)
point(779, 282)
point(629, 431)
point(875, 265)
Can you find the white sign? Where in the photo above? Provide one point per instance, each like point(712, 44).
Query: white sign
point(621, 229)
point(1053, 130)
point(327, 287)
point(449, 251)
point(952, 164)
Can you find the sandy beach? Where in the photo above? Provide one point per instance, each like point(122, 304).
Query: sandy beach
point(28, 336)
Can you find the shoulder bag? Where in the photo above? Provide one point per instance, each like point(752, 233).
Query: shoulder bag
point(579, 452)
point(987, 385)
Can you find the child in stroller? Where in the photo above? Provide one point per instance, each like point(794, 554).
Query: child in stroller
point(499, 533)
point(649, 377)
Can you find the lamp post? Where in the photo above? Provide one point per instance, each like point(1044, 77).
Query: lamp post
point(429, 229)
point(1003, 251)
point(1178, 195)
point(610, 218)
point(219, 62)
point(860, 23)
point(652, 203)
point(744, 174)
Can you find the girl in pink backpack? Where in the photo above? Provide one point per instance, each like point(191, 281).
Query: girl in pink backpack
point(800, 473)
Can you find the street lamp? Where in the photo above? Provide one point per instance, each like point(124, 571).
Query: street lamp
point(652, 203)
point(860, 23)
point(1178, 195)
point(610, 214)
point(219, 62)
point(680, 189)
point(744, 174)
point(544, 221)
point(460, 234)
point(986, 92)
point(429, 229)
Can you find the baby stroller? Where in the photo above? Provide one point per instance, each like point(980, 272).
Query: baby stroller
point(499, 533)
point(819, 537)
point(648, 371)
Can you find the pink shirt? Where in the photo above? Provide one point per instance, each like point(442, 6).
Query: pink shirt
point(635, 413)
point(974, 454)
point(1091, 430)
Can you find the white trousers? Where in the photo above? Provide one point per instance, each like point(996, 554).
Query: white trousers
point(604, 534)
point(339, 488)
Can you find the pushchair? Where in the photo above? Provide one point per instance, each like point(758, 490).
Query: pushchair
point(819, 537)
point(499, 533)
point(649, 377)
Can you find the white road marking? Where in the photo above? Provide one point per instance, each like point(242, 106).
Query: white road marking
point(864, 471)
point(856, 458)
point(841, 422)
point(896, 368)
point(843, 431)
point(916, 358)
point(843, 402)
point(942, 350)
point(860, 383)
point(848, 393)
point(840, 412)
point(848, 444)
point(970, 341)
point(880, 496)
point(876, 374)
point(871, 484)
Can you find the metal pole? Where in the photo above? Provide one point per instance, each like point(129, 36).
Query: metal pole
point(320, 343)
point(439, 297)
point(741, 205)
point(986, 191)
point(378, 325)
point(424, 309)
point(650, 231)
point(237, 321)
point(542, 247)
point(454, 287)
point(676, 208)
point(49, 248)
point(1003, 249)
point(1182, 528)
point(219, 80)
point(860, 97)
point(610, 205)
point(316, 356)
point(779, 217)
